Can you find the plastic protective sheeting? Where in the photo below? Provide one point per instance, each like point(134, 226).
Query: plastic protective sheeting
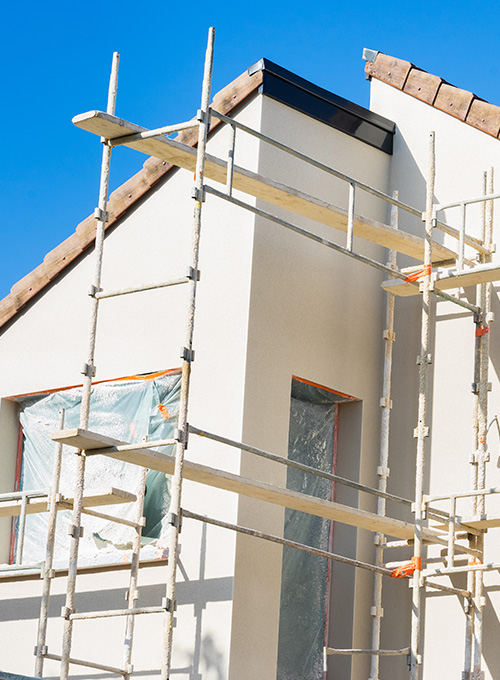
point(128, 410)
point(304, 583)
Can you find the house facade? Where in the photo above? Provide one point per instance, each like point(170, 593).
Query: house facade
point(288, 332)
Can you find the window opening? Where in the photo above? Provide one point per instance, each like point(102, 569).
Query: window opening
point(305, 591)
point(129, 409)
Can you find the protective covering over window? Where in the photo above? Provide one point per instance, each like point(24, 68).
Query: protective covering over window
point(129, 410)
point(304, 584)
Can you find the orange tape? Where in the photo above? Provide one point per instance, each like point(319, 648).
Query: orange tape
point(482, 331)
point(418, 275)
point(164, 411)
point(407, 569)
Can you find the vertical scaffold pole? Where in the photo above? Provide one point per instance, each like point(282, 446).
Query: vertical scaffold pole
point(481, 455)
point(187, 356)
point(471, 576)
point(133, 594)
point(383, 469)
point(88, 373)
point(422, 430)
point(49, 555)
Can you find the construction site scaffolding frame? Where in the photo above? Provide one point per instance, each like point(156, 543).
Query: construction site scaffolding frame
point(425, 281)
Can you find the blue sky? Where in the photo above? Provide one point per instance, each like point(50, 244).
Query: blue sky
point(56, 60)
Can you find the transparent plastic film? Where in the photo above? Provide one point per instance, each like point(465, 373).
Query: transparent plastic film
point(129, 410)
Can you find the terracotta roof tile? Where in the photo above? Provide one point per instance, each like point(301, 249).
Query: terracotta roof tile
point(389, 69)
point(422, 85)
point(433, 90)
point(119, 202)
point(484, 116)
point(454, 101)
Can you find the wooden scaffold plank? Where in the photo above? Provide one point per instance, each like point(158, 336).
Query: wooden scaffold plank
point(228, 481)
point(486, 273)
point(276, 193)
point(92, 498)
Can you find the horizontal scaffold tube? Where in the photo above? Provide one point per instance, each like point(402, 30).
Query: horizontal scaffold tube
point(334, 246)
point(446, 228)
point(285, 541)
point(298, 466)
point(378, 652)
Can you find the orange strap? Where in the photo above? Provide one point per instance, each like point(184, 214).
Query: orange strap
point(482, 331)
point(418, 275)
point(408, 568)
point(164, 411)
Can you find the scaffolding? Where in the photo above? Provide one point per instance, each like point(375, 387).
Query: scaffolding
point(441, 269)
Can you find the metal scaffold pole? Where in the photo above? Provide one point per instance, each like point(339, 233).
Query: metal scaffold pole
point(88, 373)
point(187, 356)
point(383, 469)
point(481, 387)
point(47, 572)
point(422, 430)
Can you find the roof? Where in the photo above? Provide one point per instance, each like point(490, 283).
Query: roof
point(434, 91)
point(264, 77)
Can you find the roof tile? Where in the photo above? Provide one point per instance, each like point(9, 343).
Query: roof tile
point(389, 69)
point(119, 202)
point(454, 101)
point(484, 116)
point(422, 85)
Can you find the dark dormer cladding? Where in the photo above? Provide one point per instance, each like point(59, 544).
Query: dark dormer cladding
point(337, 112)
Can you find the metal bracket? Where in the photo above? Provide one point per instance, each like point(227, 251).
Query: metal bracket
point(193, 274)
point(476, 385)
point(44, 650)
point(389, 335)
point(66, 613)
point(479, 456)
point(135, 595)
point(425, 431)
point(378, 540)
point(174, 520)
point(168, 604)
point(182, 436)
point(93, 290)
point(385, 402)
point(88, 370)
point(377, 611)
point(50, 573)
point(383, 471)
point(101, 215)
point(75, 532)
point(187, 354)
point(199, 194)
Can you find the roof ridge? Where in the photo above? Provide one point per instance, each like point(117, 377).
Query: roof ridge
point(434, 90)
point(120, 201)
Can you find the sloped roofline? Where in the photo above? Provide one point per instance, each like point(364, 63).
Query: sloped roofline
point(121, 200)
point(265, 77)
point(433, 90)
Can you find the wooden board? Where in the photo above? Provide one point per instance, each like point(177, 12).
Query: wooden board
point(486, 273)
point(91, 499)
point(484, 522)
point(85, 440)
point(261, 187)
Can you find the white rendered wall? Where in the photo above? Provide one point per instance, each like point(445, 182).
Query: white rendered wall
point(463, 154)
point(45, 347)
